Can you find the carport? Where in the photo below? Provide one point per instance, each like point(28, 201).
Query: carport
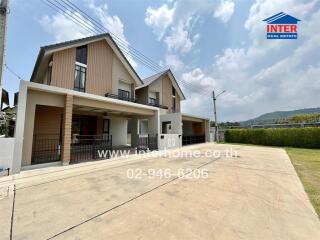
point(60, 125)
point(195, 129)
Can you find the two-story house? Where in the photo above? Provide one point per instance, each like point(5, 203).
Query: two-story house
point(84, 96)
point(162, 90)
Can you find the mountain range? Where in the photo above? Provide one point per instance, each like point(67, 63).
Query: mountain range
point(273, 117)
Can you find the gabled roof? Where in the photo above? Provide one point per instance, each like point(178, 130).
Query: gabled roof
point(147, 81)
point(281, 18)
point(49, 49)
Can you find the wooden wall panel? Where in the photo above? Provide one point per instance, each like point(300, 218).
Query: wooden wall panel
point(178, 105)
point(167, 92)
point(47, 120)
point(99, 68)
point(63, 68)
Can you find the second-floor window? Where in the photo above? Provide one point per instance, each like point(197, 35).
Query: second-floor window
point(81, 55)
point(123, 94)
point(80, 74)
point(173, 99)
point(153, 101)
point(49, 73)
point(80, 78)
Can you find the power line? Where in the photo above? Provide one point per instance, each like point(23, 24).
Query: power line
point(92, 29)
point(13, 72)
point(92, 26)
point(114, 35)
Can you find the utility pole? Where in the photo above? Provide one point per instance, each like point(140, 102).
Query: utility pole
point(3, 30)
point(214, 97)
point(216, 135)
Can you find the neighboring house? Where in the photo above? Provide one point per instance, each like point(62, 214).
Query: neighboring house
point(84, 95)
point(176, 129)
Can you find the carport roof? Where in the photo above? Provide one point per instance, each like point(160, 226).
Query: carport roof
point(190, 116)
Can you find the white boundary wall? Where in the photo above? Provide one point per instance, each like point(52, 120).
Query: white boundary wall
point(168, 141)
point(6, 152)
point(176, 122)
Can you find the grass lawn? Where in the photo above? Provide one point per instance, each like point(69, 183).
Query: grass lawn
point(307, 164)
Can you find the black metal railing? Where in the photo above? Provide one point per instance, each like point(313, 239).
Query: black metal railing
point(90, 147)
point(148, 142)
point(119, 97)
point(156, 104)
point(135, 100)
point(187, 140)
point(46, 148)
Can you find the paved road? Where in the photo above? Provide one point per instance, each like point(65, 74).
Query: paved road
point(256, 195)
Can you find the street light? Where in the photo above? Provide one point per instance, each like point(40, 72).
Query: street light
point(215, 113)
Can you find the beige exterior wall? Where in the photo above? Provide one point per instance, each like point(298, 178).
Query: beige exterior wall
point(112, 106)
point(120, 73)
point(53, 101)
point(35, 98)
point(167, 95)
point(156, 86)
point(66, 130)
point(142, 95)
point(166, 92)
point(47, 120)
point(162, 86)
point(99, 68)
point(104, 70)
point(63, 68)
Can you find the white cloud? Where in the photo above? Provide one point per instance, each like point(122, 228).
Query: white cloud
point(62, 28)
point(174, 62)
point(197, 79)
point(159, 19)
point(115, 26)
point(173, 23)
point(180, 40)
point(268, 75)
point(224, 11)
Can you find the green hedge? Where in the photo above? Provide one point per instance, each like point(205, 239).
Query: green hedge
point(290, 137)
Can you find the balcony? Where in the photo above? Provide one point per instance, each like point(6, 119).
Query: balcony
point(131, 99)
point(123, 98)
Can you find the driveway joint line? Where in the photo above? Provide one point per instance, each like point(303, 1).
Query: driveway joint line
point(130, 200)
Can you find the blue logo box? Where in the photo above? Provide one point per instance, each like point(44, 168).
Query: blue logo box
point(282, 35)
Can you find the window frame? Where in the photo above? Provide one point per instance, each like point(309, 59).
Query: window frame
point(153, 101)
point(79, 56)
point(120, 96)
point(81, 66)
point(49, 77)
point(174, 107)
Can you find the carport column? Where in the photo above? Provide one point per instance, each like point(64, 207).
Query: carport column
point(66, 130)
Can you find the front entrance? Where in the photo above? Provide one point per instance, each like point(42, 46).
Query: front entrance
point(47, 141)
point(148, 142)
point(90, 138)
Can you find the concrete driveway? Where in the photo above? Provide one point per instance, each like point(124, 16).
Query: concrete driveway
point(256, 195)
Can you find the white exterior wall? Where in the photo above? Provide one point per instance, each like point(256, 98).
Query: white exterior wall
point(118, 130)
point(6, 152)
point(176, 122)
point(168, 141)
point(125, 86)
point(119, 73)
point(156, 87)
point(153, 95)
point(143, 126)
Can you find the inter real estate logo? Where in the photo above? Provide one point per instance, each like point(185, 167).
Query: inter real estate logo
point(282, 26)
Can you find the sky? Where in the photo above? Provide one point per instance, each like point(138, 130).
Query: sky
point(209, 45)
